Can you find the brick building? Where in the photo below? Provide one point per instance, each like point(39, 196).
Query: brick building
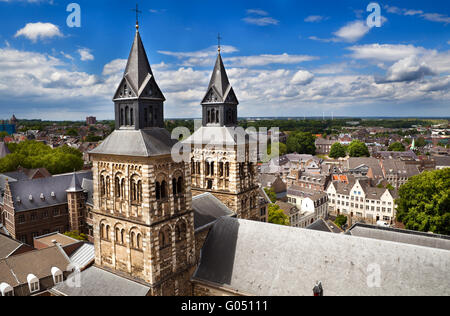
point(42, 205)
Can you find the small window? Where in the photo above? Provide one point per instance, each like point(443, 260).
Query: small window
point(33, 283)
point(6, 290)
point(57, 275)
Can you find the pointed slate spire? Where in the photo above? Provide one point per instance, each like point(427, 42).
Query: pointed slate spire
point(219, 89)
point(74, 185)
point(138, 78)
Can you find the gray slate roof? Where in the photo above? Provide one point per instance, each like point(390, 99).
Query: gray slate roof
point(401, 236)
point(98, 282)
point(56, 184)
point(222, 136)
point(138, 72)
point(4, 150)
point(324, 226)
point(271, 260)
point(207, 209)
point(142, 143)
point(220, 85)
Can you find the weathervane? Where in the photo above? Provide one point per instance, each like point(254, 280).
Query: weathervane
point(137, 15)
point(218, 40)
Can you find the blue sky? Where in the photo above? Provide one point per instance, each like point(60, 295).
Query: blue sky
point(284, 57)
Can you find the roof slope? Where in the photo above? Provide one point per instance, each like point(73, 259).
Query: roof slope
point(207, 209)
point(142, 143)
point(270, 260)
point(7, 246)
point(38, 262)
point(401, 236)
point(98, 282)
point(56, 184)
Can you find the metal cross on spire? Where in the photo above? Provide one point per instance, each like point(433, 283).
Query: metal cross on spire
point(137, 15)
point(218, 41)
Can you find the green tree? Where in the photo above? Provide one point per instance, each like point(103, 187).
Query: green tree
point(32, 154)
point(421, 142)
point(76, 235)
point(358, 149)
point(72, 132)
point(338, 151)
point(341, 220)
point(3, 134)
point(301, 143)
point(277, 216)
point(397, 147)
point(271, 194)
point(424, 202)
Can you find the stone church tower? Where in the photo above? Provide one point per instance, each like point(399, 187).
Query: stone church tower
point(143, 217)
point(223, 155)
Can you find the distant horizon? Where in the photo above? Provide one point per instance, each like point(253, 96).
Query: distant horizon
point(265, 118)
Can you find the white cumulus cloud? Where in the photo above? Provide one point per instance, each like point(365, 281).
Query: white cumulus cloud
point(39, 30)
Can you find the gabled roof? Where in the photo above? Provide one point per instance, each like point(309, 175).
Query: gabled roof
point(271, 260)
point(138, 74)
point(219, 89)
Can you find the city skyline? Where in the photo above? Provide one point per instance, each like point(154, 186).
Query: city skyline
point(306, 59)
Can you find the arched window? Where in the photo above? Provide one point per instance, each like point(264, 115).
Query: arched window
point(122, 188)
point(122, 237)
point(180, 186)
point(158, 191)
point(132, 239)
point(127, 115)
point(139, 188)
point(163, 189)
point(121, 117)
point(212, 168)
point(207, 167)
point(217, 116)
point(180, 231)
point(107, 232)
point(165, 237)
point(117, 188)
point(131, 116)
point(138, 241)
point(213, 116)
point(102, 185)
point(102, 231)
point(133, 190)
point(108, 186)
point(117, 235)
point(174, 187)
point(227, 169)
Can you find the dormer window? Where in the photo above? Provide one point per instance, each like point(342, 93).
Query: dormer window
point(57, 275)
point(33, 283)
point(6, 290)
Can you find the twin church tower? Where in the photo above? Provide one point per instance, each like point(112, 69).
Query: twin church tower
point(143, 215)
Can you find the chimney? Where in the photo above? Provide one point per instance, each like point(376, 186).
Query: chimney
point(318, 289)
